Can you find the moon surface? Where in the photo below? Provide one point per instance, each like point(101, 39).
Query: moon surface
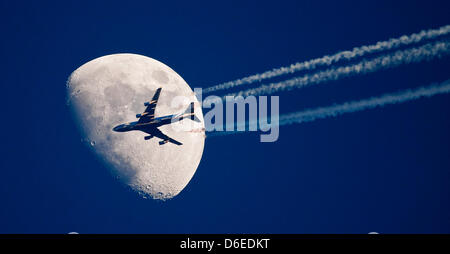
point(111, 90)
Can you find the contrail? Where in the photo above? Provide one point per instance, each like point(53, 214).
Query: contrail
point(413, 55)
point(310, 115)
point(343, 55)
point(353, 106)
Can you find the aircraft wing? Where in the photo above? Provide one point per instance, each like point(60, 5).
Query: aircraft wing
point(157, 133)
point(149, 112)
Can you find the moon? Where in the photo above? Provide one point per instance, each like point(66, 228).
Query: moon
point(111, 90)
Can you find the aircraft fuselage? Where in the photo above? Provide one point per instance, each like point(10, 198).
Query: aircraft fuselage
point(154, 123)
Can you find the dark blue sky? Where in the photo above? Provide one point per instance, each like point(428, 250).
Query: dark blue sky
point(384, 170)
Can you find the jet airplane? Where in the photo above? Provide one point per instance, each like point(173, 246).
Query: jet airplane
point(149, 124)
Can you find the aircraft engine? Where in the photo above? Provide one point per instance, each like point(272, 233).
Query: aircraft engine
point(163, 142)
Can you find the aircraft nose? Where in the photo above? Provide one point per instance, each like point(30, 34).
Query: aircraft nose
point(117, 128)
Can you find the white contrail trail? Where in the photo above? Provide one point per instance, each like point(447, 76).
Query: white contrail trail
point(353, 106)
point(425, 52)
point(310, 115)
point(343, 55)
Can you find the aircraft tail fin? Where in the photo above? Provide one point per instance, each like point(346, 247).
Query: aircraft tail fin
point(190, 111)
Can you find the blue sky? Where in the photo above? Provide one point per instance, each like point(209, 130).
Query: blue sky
point(384, 170)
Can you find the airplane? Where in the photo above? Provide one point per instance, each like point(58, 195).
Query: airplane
point(149, 124)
